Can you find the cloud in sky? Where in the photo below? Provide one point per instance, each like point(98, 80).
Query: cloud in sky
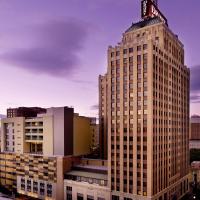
point(55, 51)
point(94, 107)
point(195, 85)
point(195, 98)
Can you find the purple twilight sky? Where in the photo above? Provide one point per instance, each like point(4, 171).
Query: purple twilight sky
point(51, 52)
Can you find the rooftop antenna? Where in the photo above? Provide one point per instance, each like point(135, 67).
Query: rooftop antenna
point(150, 10)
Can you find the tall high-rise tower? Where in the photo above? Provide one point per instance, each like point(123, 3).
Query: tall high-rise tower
point(147, 109)
point(103, 116)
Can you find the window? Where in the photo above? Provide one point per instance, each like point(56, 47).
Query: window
point(114, 197)
point(28, 182)
point(69, 193)
point(42, 191)
point(139, 59)
point(130, 50)
point(144, 157)
point(49, 186)
point(35, 186)
point(125, 51)
point(22, 184)
point(145, 46)
point(69, 196)
point(90, 197)
point(49, 190)
point(79, 196)
point(138, 48)
point(49, 193)
point(22, 180)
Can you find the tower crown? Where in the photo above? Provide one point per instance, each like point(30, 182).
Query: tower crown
point(149, 9)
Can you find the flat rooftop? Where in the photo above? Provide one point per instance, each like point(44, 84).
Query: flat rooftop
point(101, 168)
point(88, 175)
point(89, 171)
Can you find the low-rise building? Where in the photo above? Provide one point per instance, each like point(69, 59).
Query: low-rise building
point(59, 131)
point(194, 144)
point(89, 180)
point(37, 176)
point(194, 171)
point(37, 151)
point(24, 112)
point(194, 132)
point(95, 134)
point(8, 171)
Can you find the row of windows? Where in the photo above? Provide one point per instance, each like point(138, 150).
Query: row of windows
point(88, 180)
point(34, 123)
point(79, 195)
point(36, 187)
point(130, 50)
point(130, 59)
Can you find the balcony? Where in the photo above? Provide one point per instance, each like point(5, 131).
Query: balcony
point(34, 135)
point(34, 124)
point(34, 131)
point(36, 138)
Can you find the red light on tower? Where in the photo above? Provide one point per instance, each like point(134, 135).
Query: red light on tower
point(150, 10)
